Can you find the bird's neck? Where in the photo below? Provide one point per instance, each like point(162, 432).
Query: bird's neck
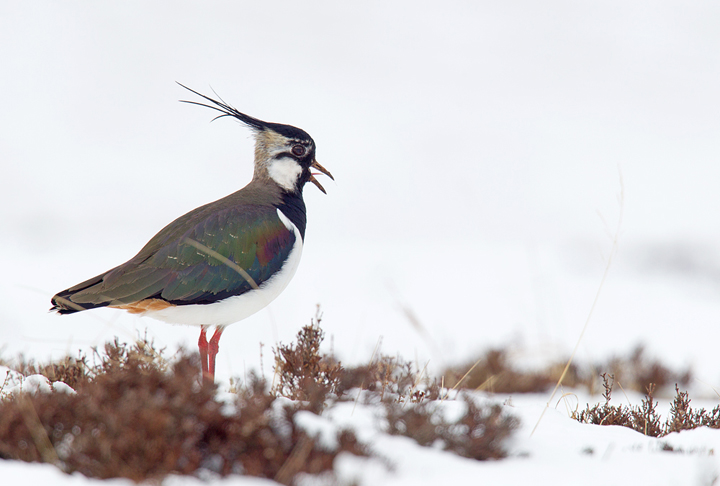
point(291, 203)
point(293, 207)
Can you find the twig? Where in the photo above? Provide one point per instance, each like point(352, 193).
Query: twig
point(613, 250)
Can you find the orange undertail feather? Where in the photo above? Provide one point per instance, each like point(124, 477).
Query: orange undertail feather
point(144, 306)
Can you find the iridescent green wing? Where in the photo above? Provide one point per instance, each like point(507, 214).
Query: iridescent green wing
point(198, 259)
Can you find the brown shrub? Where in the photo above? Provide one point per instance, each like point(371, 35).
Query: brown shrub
point(494, 372)
point(303, 373)
point(637, 371)
point(140, 421)
point(139, 416)
point(478, 434)
point(644, 418)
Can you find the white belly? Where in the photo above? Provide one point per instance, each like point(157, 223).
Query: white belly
point(237, 308)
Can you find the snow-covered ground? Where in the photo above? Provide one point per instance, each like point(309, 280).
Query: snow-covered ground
point(560, 451)
point(473, 144)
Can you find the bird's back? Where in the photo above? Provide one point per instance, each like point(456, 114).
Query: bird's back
point(222, 249)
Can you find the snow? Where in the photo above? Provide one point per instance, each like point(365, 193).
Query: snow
point(323, 431)
point(474, 146)
point(14, 382)
point(560, 451)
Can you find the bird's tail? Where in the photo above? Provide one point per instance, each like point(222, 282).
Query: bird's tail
point(63, 303)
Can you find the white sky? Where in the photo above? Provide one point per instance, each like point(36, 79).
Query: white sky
point(473, 144)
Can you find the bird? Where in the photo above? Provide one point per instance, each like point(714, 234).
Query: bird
point(224, 261)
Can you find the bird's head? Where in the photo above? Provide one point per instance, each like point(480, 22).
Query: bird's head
point(283, 153)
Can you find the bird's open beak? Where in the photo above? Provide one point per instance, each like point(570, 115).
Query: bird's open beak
point(316, 165)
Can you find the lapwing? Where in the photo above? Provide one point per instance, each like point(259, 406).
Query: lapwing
point(223, 261)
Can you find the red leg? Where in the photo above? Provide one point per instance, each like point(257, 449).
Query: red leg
point(213, 347)
point(203, 347)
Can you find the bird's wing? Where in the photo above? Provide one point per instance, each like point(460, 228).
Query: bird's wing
point(199, 259)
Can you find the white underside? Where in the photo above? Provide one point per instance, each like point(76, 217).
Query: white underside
point(237, 308)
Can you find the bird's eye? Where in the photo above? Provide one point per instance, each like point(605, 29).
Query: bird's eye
point(298, 150)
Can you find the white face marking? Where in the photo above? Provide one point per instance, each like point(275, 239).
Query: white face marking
point(285, 172)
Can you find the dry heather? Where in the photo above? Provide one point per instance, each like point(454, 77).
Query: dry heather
point(412, 405)
point(140, 416)
point(494, 371)
point(478, 434)
point(644, 418)
point(137, 417)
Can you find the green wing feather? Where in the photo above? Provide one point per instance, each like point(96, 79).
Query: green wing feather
point(202, 257)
